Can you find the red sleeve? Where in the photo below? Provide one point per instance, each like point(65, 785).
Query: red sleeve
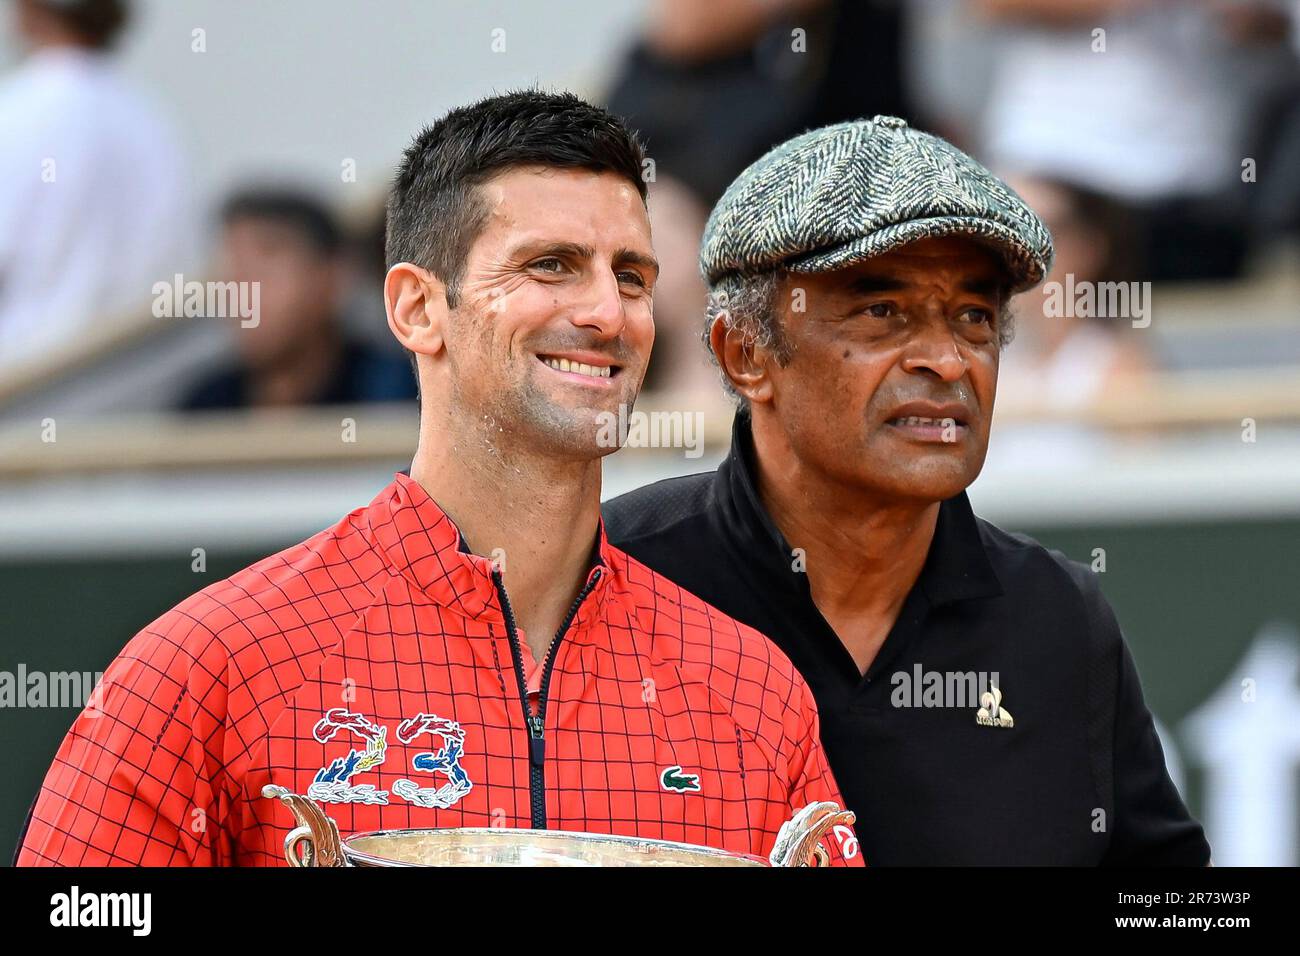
point(132, 782)
point(812, 781)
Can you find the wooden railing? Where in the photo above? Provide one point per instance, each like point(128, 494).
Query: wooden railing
point(95, 345)
point(341, 435)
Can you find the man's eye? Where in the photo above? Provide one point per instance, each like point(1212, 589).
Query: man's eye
point(549, 264)
point(880, 310)
point(978, 316)
point(629, 275)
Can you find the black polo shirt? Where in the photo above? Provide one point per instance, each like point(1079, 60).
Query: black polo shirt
point(1079, 775)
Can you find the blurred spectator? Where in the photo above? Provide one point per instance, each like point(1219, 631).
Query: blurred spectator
point(1151, 103)
point(713, 86)
point(1276, 210)
point(1068, 360)
point(1061, 361)
point(297, 351)
point(92, 184)
point(949, 63)
point(1276, 207)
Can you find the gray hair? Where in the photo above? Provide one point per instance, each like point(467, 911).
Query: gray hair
point(748, 303)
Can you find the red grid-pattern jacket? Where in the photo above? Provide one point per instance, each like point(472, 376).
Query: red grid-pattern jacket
point(376, 667)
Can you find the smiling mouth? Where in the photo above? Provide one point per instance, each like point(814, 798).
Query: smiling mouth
point(578, 368)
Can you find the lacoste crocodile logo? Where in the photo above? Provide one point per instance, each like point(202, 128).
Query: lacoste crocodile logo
point(675, 780)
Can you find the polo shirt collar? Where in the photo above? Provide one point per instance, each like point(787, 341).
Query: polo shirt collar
point(957, 567)
point(422, 543)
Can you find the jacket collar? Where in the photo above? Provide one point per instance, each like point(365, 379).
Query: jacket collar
point(421, 542)
point(957, 567)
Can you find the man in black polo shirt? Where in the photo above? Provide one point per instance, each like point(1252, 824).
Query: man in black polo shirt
point(977, 700)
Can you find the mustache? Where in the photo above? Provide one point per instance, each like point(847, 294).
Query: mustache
point(958, 394)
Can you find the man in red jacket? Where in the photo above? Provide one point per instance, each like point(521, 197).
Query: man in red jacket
point(467, 650)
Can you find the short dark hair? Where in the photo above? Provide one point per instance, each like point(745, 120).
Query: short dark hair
point(434, 211)
point(306, 214)
point(97, 22)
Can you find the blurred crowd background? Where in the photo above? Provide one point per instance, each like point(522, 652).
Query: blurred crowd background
point(146, 145)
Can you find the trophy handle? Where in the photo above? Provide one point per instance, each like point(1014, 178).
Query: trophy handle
point(316, 833)
point(798, 842)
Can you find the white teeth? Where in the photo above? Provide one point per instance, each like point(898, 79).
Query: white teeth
point(918, 420)
point(580, 368)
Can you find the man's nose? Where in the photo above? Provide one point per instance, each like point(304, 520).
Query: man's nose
point(602, 308)
point(933, 350)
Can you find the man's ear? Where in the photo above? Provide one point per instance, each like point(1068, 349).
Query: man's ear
point(744, 363)
point(416, 302)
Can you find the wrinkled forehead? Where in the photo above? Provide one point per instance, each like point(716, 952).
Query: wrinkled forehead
point(531, 211)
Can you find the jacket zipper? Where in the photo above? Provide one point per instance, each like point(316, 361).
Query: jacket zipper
point(536, 723)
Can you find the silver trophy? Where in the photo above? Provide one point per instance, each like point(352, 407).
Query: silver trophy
point(316, 842)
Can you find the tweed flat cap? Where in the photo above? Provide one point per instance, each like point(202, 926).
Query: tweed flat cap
point(838, 195)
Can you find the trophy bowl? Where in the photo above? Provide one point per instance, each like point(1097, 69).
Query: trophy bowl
point(315, 842)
